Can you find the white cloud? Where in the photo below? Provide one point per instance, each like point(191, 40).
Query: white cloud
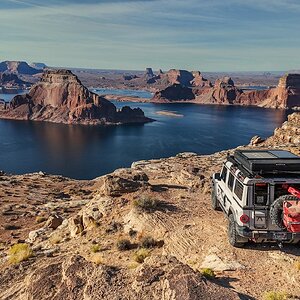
point(166, 33)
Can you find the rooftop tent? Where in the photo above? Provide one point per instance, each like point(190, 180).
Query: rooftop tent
point(268, 161)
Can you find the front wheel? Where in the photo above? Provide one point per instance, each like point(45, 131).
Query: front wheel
point(234, 238)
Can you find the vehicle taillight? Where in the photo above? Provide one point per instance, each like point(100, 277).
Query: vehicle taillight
point(260, 184)
point(244, 218)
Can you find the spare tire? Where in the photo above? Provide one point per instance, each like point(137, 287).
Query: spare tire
point(276, 209)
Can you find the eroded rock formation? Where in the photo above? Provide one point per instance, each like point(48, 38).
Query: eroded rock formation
point(60, 97)
point(285, 95)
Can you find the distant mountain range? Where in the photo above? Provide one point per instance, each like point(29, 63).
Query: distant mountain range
point(18, 67)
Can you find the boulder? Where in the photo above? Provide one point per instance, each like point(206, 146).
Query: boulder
point(215, 263)
point(75, 225)
point(54, 221)
point(123, 181)
point(256, 140)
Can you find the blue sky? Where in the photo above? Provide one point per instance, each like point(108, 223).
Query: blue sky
point(210, 35)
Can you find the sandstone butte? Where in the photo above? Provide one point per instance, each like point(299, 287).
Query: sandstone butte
point(76, 232)
point(184, 86)
point(61, 98)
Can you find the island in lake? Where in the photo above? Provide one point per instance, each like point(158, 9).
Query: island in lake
point(60, 97)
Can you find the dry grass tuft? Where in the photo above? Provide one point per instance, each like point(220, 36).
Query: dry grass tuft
point(96, 258)
point(95, 248)
point(55, 239)
point(273, 295)
point(141, 255)
point(208, 273)
point(146, 204)
point(19, 252)
point(297, 265)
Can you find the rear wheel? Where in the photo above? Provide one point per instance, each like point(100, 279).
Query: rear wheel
point(214, 200)
point(234, 238)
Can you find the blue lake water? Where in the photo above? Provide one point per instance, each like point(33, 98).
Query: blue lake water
point(86, 152)
point(133, 93)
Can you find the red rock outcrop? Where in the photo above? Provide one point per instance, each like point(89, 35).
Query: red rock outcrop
point(60, 97)
point(199, 80)
point(224, 91)
point(186, 78)
point(285, 95)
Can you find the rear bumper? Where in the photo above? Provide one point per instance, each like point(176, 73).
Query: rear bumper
point(268, 236)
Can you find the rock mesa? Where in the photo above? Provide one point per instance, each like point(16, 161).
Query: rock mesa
point(61, 98)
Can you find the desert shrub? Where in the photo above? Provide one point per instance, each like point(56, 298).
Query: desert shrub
point(19, 252)
point(147, 204)
point(297, 265)
point(273, 295)
point(95, 248)
point(96, 258)
point(113, 227)
point(148, 242)
point(132, 233)
point(40, 219)
point(123, 245)
point(55, 238)
point(133, 265)
point(208, 273)
point(140, 255)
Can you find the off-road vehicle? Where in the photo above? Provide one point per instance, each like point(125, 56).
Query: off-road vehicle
point(258, 190)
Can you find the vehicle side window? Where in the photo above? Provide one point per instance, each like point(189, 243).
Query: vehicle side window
point(238, 189)
point(224, 174)
point(230, 181)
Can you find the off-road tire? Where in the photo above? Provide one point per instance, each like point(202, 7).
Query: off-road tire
point(276, 210)
point(214, 200)
point(233, 237)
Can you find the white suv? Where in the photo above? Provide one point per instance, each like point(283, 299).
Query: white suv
point(252, 189)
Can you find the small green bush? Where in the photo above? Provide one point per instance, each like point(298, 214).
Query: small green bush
point(273, 295)
point(123, 245)
point(95, 248)
point(208, 273)
point(146, 204)
point(140, 255)
point(19, 252)
point(148, 242)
